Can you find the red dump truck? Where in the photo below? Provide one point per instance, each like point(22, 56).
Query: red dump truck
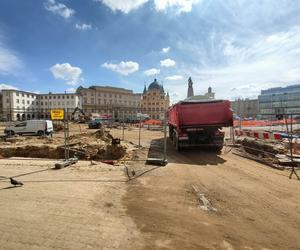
point(198, 122)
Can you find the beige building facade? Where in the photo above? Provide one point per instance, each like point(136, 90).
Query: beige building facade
point(245, 108)
point(155, 101)
point(118, 103)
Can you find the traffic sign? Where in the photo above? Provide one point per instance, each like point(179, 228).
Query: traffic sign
point(57, 114)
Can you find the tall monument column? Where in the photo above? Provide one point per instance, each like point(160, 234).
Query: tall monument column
point(190, 88)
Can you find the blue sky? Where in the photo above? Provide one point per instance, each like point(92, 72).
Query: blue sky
point(238, 47)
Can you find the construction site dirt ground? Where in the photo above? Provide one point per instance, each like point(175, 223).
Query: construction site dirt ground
point(94, 206)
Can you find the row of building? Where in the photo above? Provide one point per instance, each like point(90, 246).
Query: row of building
point(271, 102)
point(119, 103)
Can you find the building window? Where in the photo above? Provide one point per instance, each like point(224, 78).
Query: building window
point(23, 101)
point(72, 97)
point(63, 97)
point(41, 97)
point(17, 94)
point(22, 94)
point(27, 102)
point(50, 97)
point(68, 97)
point(45, 97)
point(18, 101)
point(54, 97)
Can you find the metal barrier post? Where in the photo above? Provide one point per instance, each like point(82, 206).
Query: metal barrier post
point(165, 137)
point(65, 135)
point(123, 126)
point(291, 151)
point(140, 131)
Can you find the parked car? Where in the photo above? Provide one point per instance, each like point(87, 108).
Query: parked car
point(95, 124)
point(39, 127)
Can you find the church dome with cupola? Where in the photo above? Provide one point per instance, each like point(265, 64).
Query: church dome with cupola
point(155, 85)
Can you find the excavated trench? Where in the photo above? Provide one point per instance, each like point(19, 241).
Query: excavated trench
point(85, 146)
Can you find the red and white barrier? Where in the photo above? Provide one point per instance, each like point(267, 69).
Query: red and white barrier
point(259, 134)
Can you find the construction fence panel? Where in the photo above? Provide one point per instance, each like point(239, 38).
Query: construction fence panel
point(123, 125)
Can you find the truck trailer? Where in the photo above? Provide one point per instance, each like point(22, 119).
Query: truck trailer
point(194, 123)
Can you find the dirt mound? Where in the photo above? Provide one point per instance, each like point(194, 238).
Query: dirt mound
point(90, 152)
point(85, 146)
point(58, 127)
point(33, 152)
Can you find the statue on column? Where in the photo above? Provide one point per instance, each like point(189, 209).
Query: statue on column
point(190, 88)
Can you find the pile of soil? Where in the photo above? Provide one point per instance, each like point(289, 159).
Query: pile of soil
point(58, 127)
point(86, 146)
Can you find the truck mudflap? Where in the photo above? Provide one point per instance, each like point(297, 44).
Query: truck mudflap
point(214, 147)
point(208, 145)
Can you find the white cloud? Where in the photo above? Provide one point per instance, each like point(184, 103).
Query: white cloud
point(83, 26)
point(67, 72)
point(9, 62)
point(178, 5)
point(174, 77)
point(160, 5)
point(165, 50)
point(123, 5)
point(248, 66)
point(167, 63)
point(6, 86)
point(71, 90)
point(124, 68)
point(59, 9)
point(152, 72)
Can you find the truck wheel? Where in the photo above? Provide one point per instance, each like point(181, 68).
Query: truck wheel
point(40, 133)
point(171, 133)
point(10, 132)
point(218, 149)
point(176, 142)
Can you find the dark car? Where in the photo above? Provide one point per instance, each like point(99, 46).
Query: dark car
point(94, 124)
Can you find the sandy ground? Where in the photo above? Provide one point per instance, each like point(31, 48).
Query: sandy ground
point(257, 207)
point(74, 208)
point(94, 207)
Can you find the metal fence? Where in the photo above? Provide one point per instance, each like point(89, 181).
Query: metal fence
point(128, 126)
point(282, 129)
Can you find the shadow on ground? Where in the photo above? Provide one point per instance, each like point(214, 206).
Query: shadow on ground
point(193, 156)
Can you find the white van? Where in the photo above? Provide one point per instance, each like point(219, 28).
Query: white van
point(39, 127)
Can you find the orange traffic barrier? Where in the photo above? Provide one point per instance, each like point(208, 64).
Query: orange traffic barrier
point(262, 123)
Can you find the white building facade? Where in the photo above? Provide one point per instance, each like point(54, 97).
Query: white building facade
point(22, 105)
